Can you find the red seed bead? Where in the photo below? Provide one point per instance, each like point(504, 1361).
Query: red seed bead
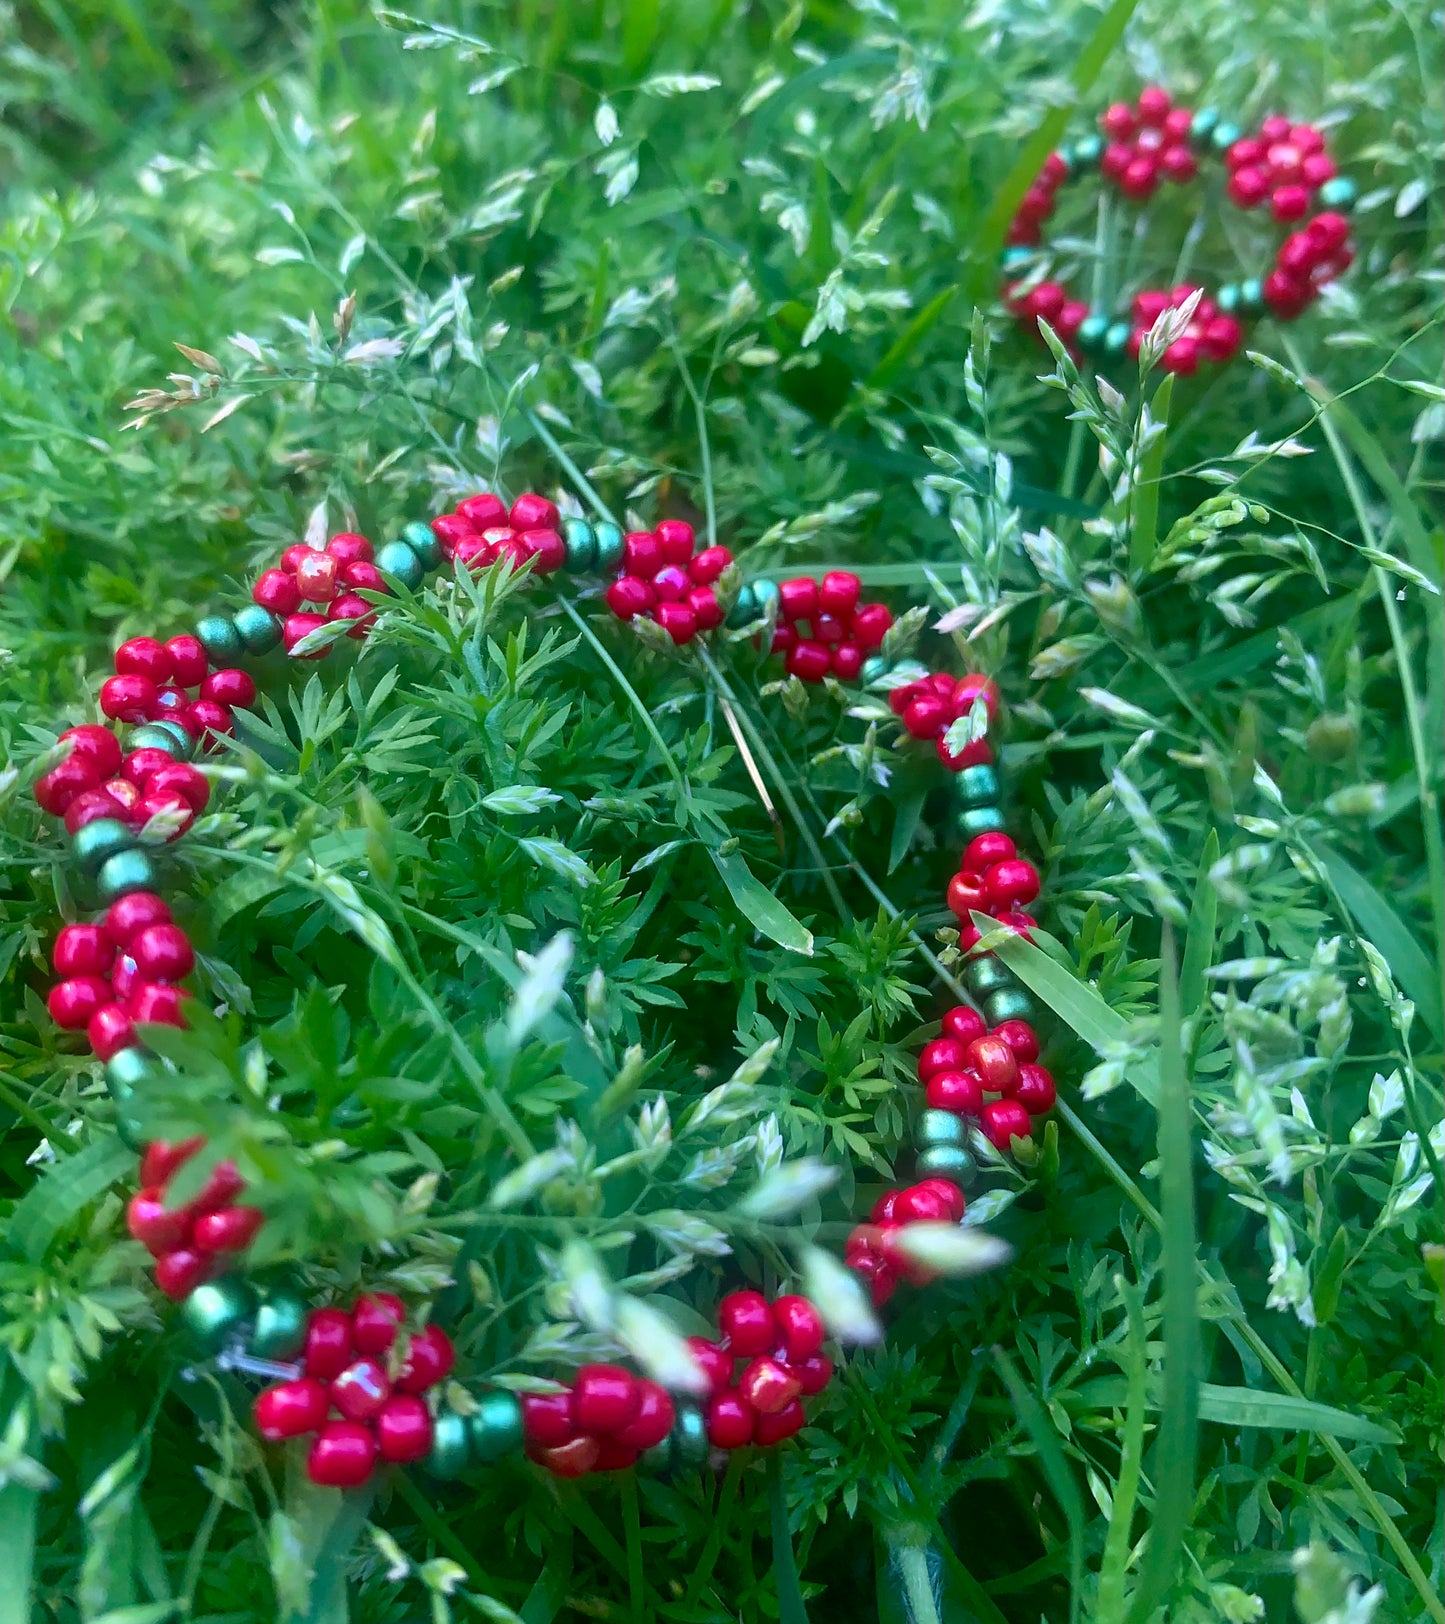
point(178, 1273)
point(356, 610)
point(1153, 106)
point(546, 548)
point(73, 1002)
point(109, 1031)
point(295, 555)
point(82, 950)
point(140, 764)
point(1182, 356)
point(1317, 168)
point(1284, 295)
point(847, 662)
point(189, 662)
point(677, 538)
point(346, 547)
point(1291, 202)
point(162, 953)
point(295, 627)
point(653, 1420)
point(452, 530)
point(767, 1387)
point(162, 1157)
point(180, 778)
point(1328, 230)
point(1274, 128)
point(1284, 161)
point(1046, 301)
point(132, 913)
point(290, 1409)
point(1178, 122)
point(361, 1389)
point(124, 979)
point(318, 577)
point(1003, 1121)
point(64, 782)
point(958, 1091)
point(838, 592)
point(715, 1363)
point(186, 719)
point(1020, 1037)
point(533, 512)
point(708, 565)
point(963, 1023)
point(730, 1421)
point(1118, 155)
point(1246, 153)
point(403, 1429)
point(1248, 187)
point(482, 510)
point(128, 698)
point(573, 1459)
point(214, 717)
point(828, 628)
point(949, 1193)
point(1140, 179)
point(1306, 137)
point(604, 1398)
point(642, 554)
point(277, 591)
point(229, 1229)
point(144, 657)
point(967, 893)
point(996, 1064)
point(1055, 171)
point(800, 1328)
point(1035, 1090)
point(1119, 121)
point(375, 1320)
point(430, 1358)
point(156, 1004)
point(678, 621)
point(706, 610)
point(547, 1419)
point(1071, 318)
point(1178, 164)
point(230, 687)
point(922, 1203)
point(871, 624)
point(942, 1054)
point(1013, 880)
point(628, 596)
point(343, 1456)
point(814, 1374)
point(809, 660)
point(91, 804)
point(671, 583)
point(984, 850)
point(364, 576)
point(973, 687)
point(98, 746)
point(1222, 337)
point(328, 1343)
point(170, 702)
point(1036, 205)
point(926, 716)
point(745, 1319)
point(798, 598)
point(614, 1456)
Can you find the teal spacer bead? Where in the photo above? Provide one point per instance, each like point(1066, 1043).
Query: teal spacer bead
point(122, 1093)
point(450, 1451)
point(874, 666)
point(153, 736)
point(495, 1426)
point(745, 607)
point(610, 545)
point(1092, 329)
point(1087, 151)
point(766, 592)
point(977, 786)
point(97, 842)
point(1116, 337)
point(690, 1445)
point(179, 734)
point(1228, 298)
point(951, 1162)
point(127, 871)
point(128, 1070)
point(1016, 260)
point(941, 1128)
point(258, 629)
point(421, 538)
point(986, 974)
point(659, 1460)
point(581, 543)
point(1339, 193)
point(1009, 1004)
point(217, 1309)
point(1251, 296)
point(1203, 124)
point(397, 559)
point(1223, 136)
point(220, 639)
point(279, 1330)
point(979, 820)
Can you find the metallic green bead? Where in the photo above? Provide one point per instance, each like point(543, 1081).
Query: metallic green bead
point(1009, 1004)
point(581, 542)
point(122, 1093)
point(421, 538)
point(941, 1128)
point(152, 736)
point(659, 1460)
point(766, 592)
point(397, 559)
point(1092, 329)
point(258, 629)
point(216, 1309)
point(610, 544)
point(745, 607)
point(985, 974)
point(1204, 123)
point(946, 1162)
point(1228, 298)
point(977, 786)
point(495, 1427)
point(183, 739)
point(128, 1070)
point(979, 820)
point(220, 639)
point(450, 1446)
point(1116, 337)
point(1087, 151)
point(1339, 193)
point(874, 666)
point(1223, 136)
point(1251, 296)
point(280, 1328)
point(690, 1445)
point(98, 841)
point(1016, 260)
point(125, 872)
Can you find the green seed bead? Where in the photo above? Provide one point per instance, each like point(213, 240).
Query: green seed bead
point(985, 975)
point(977, 786)
point(97, 842)
point(258, 629)
point(216, 1309)
point(1087, 151)
point(450, 1445)
point(659, 1460)
point(421, 538)
point(1203, 124)
point(495, 1427)
point(183, 739)
point(1339, 193)
point(220, 639)
point(610, 544)
point(1223, 136)
point(581, 541)
point(766, 592)
point(1251, 296)
point(690, 1446)
point(1009, 1004)
point(941, 1128)
point(946, 1162)
point(1116, 337)
point(151, 736)
point(122, 1092)
point(127, 871)
point(979, 820)
point(745, 607)
point(1092, 329)
point(874, 666)
point(128, 1070)
point(279, 1331)
point(397, 559)
point(1228, 298)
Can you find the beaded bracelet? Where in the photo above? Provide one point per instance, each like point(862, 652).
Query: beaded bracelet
point(362, 1381)
point(1285, 164)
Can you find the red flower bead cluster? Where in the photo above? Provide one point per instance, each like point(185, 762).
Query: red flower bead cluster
point(768, 1357)
point(1148, 142)
point(992, 878)
point(1286, 163)
point(871, 1249)
point(990, 1076)
point(483, 529)
point(363, 1404)
point(929, 706)
point(152, 683)
point(601, 1424)
point(120, 972)
point(100, 780)
point(327, 578)
point(663, 579)
point(1209, 336)
point(193, 1241)
point(824, 630)
point(1306, 260)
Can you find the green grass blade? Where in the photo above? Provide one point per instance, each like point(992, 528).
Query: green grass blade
point(19, 1507)
point(759, 906)
point(1199, 937)
point(1144, 534)
point(1248, 1407)
point(1117, 1544)
point(791, 1609)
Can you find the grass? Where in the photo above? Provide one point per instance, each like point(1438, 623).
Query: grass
point(1209, 1384)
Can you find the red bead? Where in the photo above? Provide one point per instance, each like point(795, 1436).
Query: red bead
point(745, 1319)
point(132, 913)
point(814, 1374)
point(170, 701)
point(430, 1358)
point(90, 742)
point(768, 1387)
point(1290, 202)
point(800, 1328)
point(1153, 105)
point(967, 893)
point(677, 538)
point(140, 764)
point(575, 1458)
point(158, 1228)
point(328, 1343)
point(730, 1421)
point(809, 660)
point(277, 591)
point(213, 717)
point(1020, 1037)
point(221, 1188)
point(1035, 1090)
point(452, 530)
point(156, 1004)
point(1140, 179)
point(91, 804)
point(964, 1024)
point(230, 687)
point(361, 1389)
point(604, 1398)
point(949, 1193)
point(343, 1456)
point(1013, 880)
point(1317, 168)
point(292, 558)
point(870, 625)
point(642, 554)
point(295, 627)
point(653, 1420)
point(973, 687)
point(124, 979)
point(678, 621)
point(533, 512)
point(356, 610)
point(1285, 296)
point(82, 950)
point(346, 547)
point(628, 596)
point(128, 698)
point(1181, 356)
point(403, 1429)
point(163, 1157)
point(229, 1229)
point(290, 1409)
point(1118, 155)
point(1045, 300)
point(1036, 205)
point(1003, 1121)
point(63, 783)
point(1275, 128)
point(547, 1419)
point(773, 1429)
point(189, 662)
point(1055, 171)
point(1177, 124)
point(798, 598)
point(546, 548)
point(375, 1320)
point(922, 1204)
point(144, 657)
point(715, 1363)
point(1246, 153)
point(178, 1273)
point(995, 1063)
point(1071, 318)
point(708, 565)
point(706, 610)
point(482, 510)
point(671, 583)
point(1023, 233)
point(1178, 164)
point(942, 1054)
point(958, 1091)
point(883, 1208)
point(1222, 337)
point(847, 662)
point(109, 1031)
point(926, 716)
point(1306, 137)
point(1298, 254)
point(1118, 121)
point(1327, 231)
point(318, 577)
point(364, 576)
point(1284, 161)
point(1248, 187)
point(185, 780)
point(983, 851)
point(828, 628)
point(784, 637)
point(163, 953)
